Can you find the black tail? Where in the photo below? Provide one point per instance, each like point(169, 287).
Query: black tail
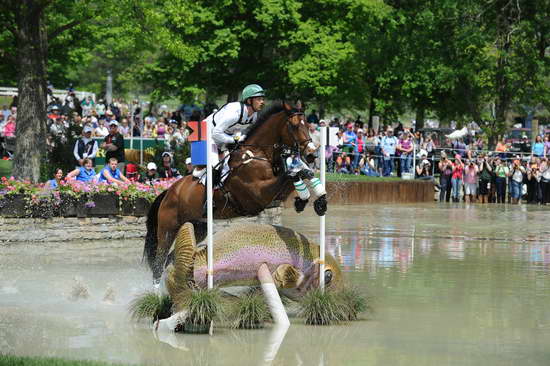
point(151, 241)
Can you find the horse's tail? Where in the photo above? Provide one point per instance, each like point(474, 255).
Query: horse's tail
point(151, 240)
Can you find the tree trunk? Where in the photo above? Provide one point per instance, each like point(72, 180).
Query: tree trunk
point(31, 112)
point(420, 116)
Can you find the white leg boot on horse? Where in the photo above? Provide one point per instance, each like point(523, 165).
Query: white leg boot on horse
point(301, 201)
point(320, 204)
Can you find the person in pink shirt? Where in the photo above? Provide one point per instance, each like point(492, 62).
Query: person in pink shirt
point(456, 180)
point(9, 128)
point(470, 181)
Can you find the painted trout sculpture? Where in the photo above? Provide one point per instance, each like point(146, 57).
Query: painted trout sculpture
point(239, 251)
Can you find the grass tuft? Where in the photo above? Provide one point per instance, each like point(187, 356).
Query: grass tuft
point(321, 308)
point(203, 306)
point(352, 301)
point(250, 311)
point(151, 306)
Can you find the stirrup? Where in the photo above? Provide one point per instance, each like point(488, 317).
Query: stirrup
point(320, 205)
point(299, 204)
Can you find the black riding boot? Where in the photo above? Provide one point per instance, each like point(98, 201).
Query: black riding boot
point(320, 205)
point(299, 204)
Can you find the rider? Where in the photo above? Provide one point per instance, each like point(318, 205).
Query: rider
point(231, 119)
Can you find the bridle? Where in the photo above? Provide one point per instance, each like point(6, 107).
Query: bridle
point(293, 128)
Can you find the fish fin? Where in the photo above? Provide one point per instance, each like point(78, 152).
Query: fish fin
point(286, 276)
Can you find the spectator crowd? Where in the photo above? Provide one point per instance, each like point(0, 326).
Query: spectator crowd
point(466, 171)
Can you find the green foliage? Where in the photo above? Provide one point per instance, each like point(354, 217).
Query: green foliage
point(10, 360)
point(150, 306)
point(203, 306)
point(250, 311)
point(319, 307)
point(352, 301)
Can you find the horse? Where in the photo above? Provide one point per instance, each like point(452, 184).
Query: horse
point(256, 179)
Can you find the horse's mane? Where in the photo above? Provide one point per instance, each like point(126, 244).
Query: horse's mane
point(264, 115)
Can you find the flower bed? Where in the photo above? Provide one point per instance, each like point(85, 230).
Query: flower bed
point(74, 198)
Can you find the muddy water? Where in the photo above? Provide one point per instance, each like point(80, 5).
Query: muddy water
point(451, 286)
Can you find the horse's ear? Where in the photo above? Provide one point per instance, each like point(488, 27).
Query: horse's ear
point(288, 108)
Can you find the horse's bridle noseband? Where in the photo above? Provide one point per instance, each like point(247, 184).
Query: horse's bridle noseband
point(297, 144)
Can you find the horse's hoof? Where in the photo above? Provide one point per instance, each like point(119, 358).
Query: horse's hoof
point(320, 205)
point(299, 204)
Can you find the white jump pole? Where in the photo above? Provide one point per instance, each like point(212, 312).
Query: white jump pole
point(322, 149)
point(209, 209)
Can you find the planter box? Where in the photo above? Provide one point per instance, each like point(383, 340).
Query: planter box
point(138, 207)
point(68, 205)
point(105, 205)
point(13, 206)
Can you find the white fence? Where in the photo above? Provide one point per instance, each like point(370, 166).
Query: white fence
point(58, 93)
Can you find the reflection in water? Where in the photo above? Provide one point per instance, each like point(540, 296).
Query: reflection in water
point(451, 285)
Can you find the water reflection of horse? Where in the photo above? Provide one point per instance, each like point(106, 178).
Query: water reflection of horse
point(255, 180)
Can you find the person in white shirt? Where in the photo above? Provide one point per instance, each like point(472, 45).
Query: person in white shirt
point(231, 119)
point(85, 147)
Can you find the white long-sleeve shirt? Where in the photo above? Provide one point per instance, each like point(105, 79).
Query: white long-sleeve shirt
point(227, 122)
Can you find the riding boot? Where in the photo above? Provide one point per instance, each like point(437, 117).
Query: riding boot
point(299, 204)
point(320, 205)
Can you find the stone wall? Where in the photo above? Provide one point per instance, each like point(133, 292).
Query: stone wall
point(59, 229)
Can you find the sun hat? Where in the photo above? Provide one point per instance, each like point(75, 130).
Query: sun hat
point(188, 161)
point(87, 129)
point(151, 166)
point(113, 122)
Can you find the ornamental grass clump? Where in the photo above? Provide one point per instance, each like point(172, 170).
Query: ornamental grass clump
point(203, 306)
point(151, 306)
point(250, 311)
point(352, 301)
point(321, 308)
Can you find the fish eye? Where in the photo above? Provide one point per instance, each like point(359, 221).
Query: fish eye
point(328, 276)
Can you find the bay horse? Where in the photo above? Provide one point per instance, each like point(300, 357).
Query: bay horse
point(255, 180)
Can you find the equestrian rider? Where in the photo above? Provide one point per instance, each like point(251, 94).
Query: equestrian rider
point(231, 119)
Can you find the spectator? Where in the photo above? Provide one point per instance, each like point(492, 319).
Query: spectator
point(5, 112)
point(188, 166)
point(151, 176)
point(388, 145)
point(111, 174)
point(100, 108)
point(545, 181)
point(114, 145)
point(424, 169)
point(502, 148)
point(533, 184)
point(361, 143)
point(84, 173)
point(516, 181)
point(367, 166)
point(459, 148)
point(457, 177)
point(350, 142)
point(54, 183)
point(429, 146)
point(166, 171)
point(406, 148)
point(501, 174)
point(9, 127)
point(85, 147)
point(525, 145)
point(132, 172)
point(101, 130)
point(538, 147)
point(160, 130)
point(470, 181)
point(148, 128)
point(547, 146)
point(124, 127)
point(446, 172)
point(343, 163)
point(87, 106)
point(313, 118)
point(485, 174)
